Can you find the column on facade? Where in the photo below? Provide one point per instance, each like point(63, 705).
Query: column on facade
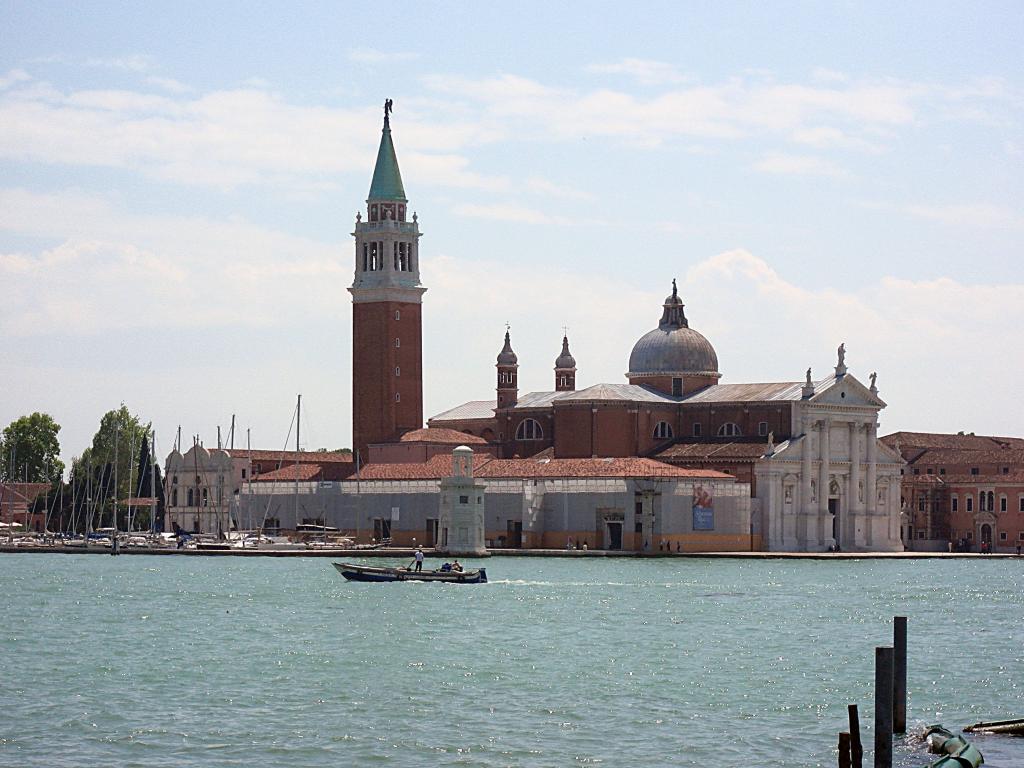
point(805, 482)
point(870, 493)
point(853, 501)
point(824, 468)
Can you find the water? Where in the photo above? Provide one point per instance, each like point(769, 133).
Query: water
point(189, 661)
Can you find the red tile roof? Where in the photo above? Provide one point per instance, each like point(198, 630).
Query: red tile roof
point(434, 468)
point(1014, 477)
point(21, 492)
point(571, 468)
point(301, 472)
point(932, 440)
point(939, 457)
point(713, 451)
point(441, 435)
point(486, 467)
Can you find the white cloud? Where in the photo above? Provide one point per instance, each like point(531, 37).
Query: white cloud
point(172, 271)
point(12, 77)
point(799, 165)
point(541, 186)
point(736, 108)
point(251, 134)
point(375, 56)
point(826, 137)
point(826, 75)
point(763, 325)
point(512, 212)
point(644, 71)
point(974, 215)
point(169, 84)
point(133, 63)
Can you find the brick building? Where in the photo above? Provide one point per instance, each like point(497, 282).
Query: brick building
point(387, 369)
point(16, 503)
point(819, 476)
point(806, 450)
point(961, 491)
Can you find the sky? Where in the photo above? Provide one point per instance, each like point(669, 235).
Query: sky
point(179, 181)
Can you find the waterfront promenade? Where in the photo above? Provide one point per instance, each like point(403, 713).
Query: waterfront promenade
point(406, 552)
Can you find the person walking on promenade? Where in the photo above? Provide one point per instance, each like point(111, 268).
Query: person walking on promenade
point(419, 559)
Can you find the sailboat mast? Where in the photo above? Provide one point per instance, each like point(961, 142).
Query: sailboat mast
point(233, 497)
point(152, 481)
point(298, 426)
point(113, 538)
point(248, 481)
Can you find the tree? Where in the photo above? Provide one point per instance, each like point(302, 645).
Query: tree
point(31, 443)
point(118, 441)
point(145, 474)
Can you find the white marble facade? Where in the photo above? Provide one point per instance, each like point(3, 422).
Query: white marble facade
point(834, 485)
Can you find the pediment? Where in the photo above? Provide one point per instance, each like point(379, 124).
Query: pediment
point(847, 391)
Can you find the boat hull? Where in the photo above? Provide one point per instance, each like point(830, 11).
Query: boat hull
point(376, 574)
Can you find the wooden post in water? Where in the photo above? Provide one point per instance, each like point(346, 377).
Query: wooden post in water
point(844, 750)
point(883, 707)
point(899, 674)
point(856, 748)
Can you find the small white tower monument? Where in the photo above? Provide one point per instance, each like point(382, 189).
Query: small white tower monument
point(461, 527)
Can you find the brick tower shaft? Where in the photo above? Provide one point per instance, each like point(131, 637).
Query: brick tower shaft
point(387, 331)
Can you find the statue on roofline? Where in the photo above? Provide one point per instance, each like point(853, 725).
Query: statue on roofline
point(842, 355)
point(387, 108)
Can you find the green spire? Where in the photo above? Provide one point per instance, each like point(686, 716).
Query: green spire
point(387, 179)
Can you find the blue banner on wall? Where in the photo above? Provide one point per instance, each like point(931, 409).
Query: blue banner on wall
point(703, 509)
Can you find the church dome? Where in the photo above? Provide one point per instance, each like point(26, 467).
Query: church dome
point(565, 360)
point(673, 348)
point(507, 356)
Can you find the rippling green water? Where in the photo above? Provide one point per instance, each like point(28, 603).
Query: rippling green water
point(187, 661)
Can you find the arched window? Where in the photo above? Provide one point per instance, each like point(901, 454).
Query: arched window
point(174, 497)
point(663, 431)
point(191, 498)
point(529, 429)
point(729, 430)
point(398, 341)
point(398, 315)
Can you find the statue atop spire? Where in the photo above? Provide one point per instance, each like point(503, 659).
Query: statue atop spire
point(673, 316)
point(387, 179)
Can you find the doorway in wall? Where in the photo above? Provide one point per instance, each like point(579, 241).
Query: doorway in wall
point(833, 510)
point(515, 534)
point(614, 535)
point(381, 529)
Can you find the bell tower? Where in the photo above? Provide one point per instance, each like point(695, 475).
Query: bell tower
point(508, 375)
point(565, 369)
point(387, 332)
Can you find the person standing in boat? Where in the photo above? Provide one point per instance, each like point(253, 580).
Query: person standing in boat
point(419, 559)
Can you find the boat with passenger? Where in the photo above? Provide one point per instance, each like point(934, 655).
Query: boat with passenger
point(379, 574)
